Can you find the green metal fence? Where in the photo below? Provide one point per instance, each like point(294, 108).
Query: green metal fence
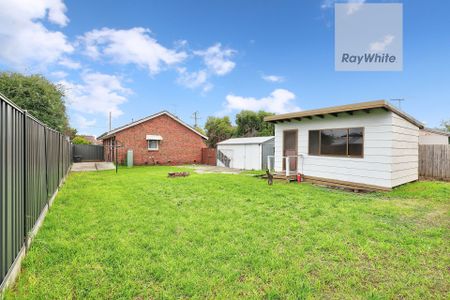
point(88, 152)
point(33, 161)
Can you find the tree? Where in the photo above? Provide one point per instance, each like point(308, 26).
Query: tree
point(218, 129)
point(79, 140)
point(199, 129)
point(445, 125)
point(250, 124)
point(71, 133)
point(41, 98)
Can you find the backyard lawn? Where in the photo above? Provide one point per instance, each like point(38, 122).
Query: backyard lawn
point(138, 235)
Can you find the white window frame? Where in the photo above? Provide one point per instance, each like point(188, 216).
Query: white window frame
point(153, 149)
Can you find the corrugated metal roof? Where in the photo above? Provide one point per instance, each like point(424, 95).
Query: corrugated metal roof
point(349, 108)
point(249, 140)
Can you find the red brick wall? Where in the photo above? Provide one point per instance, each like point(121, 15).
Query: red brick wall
point(180, 145)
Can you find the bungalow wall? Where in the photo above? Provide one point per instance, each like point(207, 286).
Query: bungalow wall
point(405, 151)
point(390, 149)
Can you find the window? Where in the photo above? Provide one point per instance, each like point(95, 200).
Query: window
point(333, 142)
point(314, 141)
point(355, 141)
point(347, 142)
point(153, 144)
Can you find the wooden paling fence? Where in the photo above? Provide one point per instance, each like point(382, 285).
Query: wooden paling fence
point(434, 161)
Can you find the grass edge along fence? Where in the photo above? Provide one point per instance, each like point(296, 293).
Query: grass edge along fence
point(34, 160)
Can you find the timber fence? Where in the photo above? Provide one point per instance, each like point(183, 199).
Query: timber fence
point(434, 161)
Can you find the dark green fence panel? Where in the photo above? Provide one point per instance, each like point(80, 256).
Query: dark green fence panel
point(53, 153)
point(33, 161)
point(88, 152)
point(35, 171)
point(12, 184)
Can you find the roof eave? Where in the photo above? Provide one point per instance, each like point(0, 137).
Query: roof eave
point(349, 108)
point(104, 137)
point(121, 128)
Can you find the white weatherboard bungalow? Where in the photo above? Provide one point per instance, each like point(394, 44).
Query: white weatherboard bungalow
point(369, 145)
point(245, 153)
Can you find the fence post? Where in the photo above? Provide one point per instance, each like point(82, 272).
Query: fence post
point(25, 177)
point(46, 164)
point(287, 166)
point(59, 154)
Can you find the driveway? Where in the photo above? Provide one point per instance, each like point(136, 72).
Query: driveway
point(92, 166)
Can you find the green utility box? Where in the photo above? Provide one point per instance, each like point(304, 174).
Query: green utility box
point(130, 158)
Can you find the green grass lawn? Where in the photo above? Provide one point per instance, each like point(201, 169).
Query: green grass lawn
point(140, 235)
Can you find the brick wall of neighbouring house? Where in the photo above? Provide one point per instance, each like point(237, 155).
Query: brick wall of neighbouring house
point(180, 145)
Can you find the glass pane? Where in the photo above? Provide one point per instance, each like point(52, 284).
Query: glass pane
point(355, 141)
point(334, 142)
point(152, 144)
point(314, 142)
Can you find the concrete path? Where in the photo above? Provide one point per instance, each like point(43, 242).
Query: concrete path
point(205, 169)
point(92, 166)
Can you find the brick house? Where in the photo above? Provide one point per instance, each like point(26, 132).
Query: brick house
point(161, 138)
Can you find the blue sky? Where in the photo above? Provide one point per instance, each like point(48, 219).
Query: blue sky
point(136, 58)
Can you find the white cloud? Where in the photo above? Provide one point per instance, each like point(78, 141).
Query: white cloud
point(217, 59)
point(68, 63)
point(130, 46)
point(217, 63)
point(59, 74)
point(327, 4)
point(98, 93)
point(194, 80)
point(381, 46)
point(273, 78)
point(279, 101)
point(352, 5)
point(24, 40)
point(180, 44)
point(84, 123)
point(56, 11)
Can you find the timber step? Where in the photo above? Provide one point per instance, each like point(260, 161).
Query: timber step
point(353, 186)
point(282, 177)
